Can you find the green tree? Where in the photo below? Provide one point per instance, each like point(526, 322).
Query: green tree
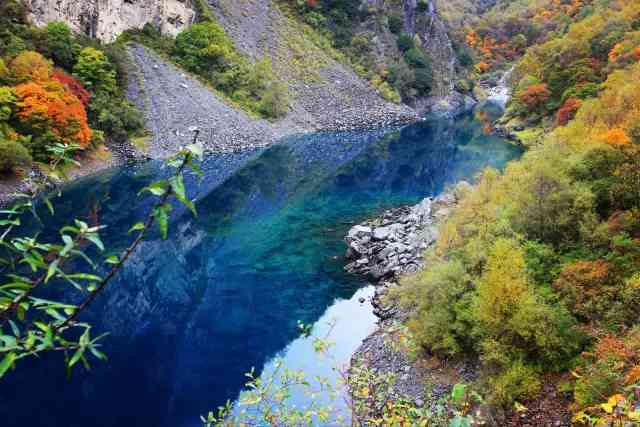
point(60, 44)
point(95, 72)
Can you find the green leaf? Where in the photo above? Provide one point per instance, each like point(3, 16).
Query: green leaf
point(112, 260)
point(49, 205)
point(458, 392)
point(7, 363)
point(196, 149)
point(53, 267)
point(158, 188)
point(76, 357)
point(68, 245)
point(95, 239)
point(162, 216)
point(136, 227)
point(177, 185)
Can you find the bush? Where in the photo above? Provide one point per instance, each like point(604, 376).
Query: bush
point(205, 48)
point(13, 155)
point(416, 58)
point(518, 381)
point(405, 42)
point(116, 117)
point(441, 291)
point(395, 22)
point(423, 80)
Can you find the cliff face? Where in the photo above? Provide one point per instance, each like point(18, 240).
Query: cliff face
point(106, 19)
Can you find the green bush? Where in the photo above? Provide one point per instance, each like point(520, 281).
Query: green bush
point(518, 381)
point(13, 155)
point(441, 292)
point(116, 117)
point(205, 48)
point(395, 22)
point(416, 58)
point(423, 80)
point(405, 42)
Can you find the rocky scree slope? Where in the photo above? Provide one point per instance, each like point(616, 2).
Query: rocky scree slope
point(325, 94)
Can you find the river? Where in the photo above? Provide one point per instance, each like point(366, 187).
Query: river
point(190, 315)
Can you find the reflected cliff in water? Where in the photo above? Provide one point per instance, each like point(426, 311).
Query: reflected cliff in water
point(188, 316)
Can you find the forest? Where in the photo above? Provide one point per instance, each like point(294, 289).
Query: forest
point(537, 272)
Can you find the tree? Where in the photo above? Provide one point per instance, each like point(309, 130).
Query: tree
point(60, 44)
point(535, 96)
point(95, 72)
point(51, 113)
point(30, 65)
point(73, 85)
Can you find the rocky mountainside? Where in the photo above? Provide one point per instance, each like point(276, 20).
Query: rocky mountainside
point(106, 19)
point(325, 93)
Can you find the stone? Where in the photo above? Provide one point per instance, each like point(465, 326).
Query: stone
point(381, 233)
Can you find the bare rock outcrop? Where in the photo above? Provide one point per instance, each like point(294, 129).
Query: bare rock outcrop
point(106, 19)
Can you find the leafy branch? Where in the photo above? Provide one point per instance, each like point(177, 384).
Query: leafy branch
point(30, 325)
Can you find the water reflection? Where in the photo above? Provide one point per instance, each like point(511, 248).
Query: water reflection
point(190, 315)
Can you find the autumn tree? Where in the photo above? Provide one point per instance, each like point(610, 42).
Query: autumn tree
point(30, 65)
point(51, 113)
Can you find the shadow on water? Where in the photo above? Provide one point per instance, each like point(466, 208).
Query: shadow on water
point(188, 316)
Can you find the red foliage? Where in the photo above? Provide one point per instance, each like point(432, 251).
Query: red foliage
point(51, 106)
point(535, 96)
point(73, 85)
point(568, 111)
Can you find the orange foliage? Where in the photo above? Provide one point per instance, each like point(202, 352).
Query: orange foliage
point(633, 376)
point(535, 96)
point(73, 85)
point(30, 66)
point(49, 105)
point(616, 137)
point(482, 67)
point(568, 111)
point(636, 53)
point(584, 285)
point(616, 51)
point(612, 347)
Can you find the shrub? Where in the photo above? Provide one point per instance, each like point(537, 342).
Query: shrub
point(440, 291)
point(13, 155)
point(395, 22)
point(405, 42)
point(587, 288)
point(204, 47)
point(518, 381)
point(423, 80)
point(416, 58)
point(117, 118)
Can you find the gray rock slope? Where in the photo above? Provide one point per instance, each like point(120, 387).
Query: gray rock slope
point(174, 102)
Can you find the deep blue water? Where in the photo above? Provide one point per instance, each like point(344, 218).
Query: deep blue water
point(190, 315)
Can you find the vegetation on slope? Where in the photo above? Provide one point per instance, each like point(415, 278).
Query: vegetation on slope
point(355, 29)
point(537, 271)
point(207, 51)
point(56, 90)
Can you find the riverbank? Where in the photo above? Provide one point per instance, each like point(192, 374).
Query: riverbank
point(385, 249)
